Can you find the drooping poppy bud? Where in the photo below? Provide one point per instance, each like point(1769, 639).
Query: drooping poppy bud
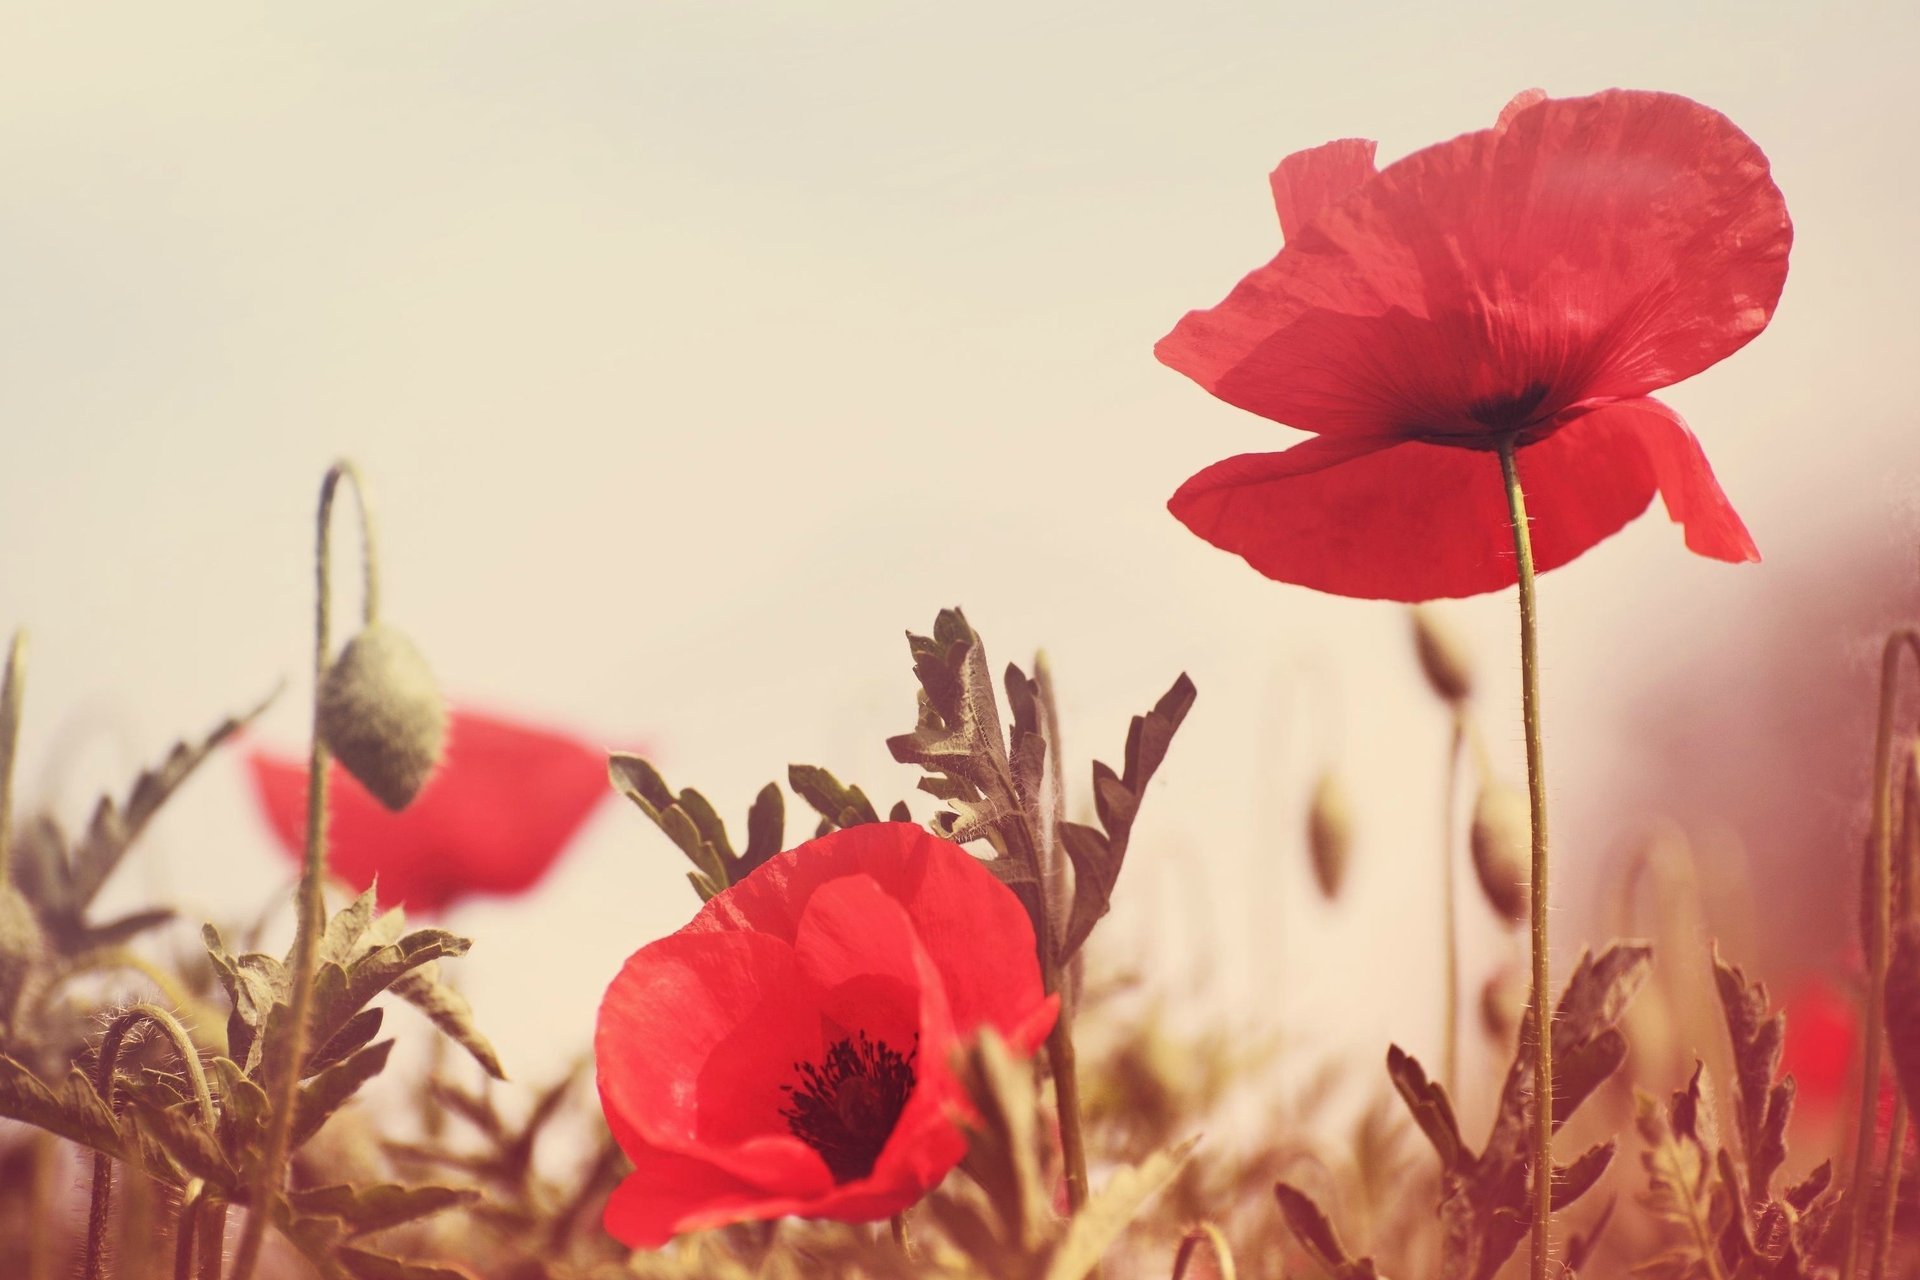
point(1501, 836)
point(1329, 834)
point(381, 715)
point(1443, 657)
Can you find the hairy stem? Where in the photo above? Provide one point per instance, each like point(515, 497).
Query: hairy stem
point(1538, 887)
point(100, 1207)
point(287, 1056)
point(10, 691)
point(1889, 1190)
point(1879, 927)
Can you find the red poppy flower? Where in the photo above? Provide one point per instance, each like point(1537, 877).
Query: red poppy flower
point(1534, 281)
point(787, 1052)
point(504, 803)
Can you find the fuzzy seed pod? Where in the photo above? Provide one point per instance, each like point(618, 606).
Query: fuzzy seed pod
point(1903, 1010)
point(1330, 834)
point(22, 946)
point(381, 714)
point(1443, 658)
point(1502, 1001)
point(1502, 837)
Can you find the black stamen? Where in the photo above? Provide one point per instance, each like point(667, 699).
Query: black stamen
point(845, 1107)
point(1510, 413)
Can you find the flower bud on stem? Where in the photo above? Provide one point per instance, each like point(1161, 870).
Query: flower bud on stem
point(282, 1069)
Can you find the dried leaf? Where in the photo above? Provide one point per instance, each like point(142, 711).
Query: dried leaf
point(329, 1090)
point(366, 1209)
point(1092, 1231)
point(1314, 1230)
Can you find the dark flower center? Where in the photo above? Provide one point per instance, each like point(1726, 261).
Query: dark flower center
point(1511, 412)
point(846, 1105)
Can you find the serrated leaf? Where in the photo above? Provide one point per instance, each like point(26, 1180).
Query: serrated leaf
point(342, 939)
point(448, 1010)
point(1427, 1100)
point(838, 803)
point(1315, 1232)
point(329, 1090)
point(361, 1028)
point(766, 829)
point(180, 1135)
point(1571, 1181)
point(376, 1207)
point(115, 826)
point(1092, 1231)
point(75, 1111)
point(1761, 1106)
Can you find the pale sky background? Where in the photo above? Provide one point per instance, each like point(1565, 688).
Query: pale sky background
point(696, 351)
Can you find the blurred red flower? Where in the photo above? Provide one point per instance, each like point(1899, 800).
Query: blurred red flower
point(1535, 281)
point(504, 803)
point(787, 1052)
point(1822, 1037)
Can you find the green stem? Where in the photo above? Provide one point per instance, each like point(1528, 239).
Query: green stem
point(10, 690)
point(100, 1208)
point(1209, 1235)
point(183, 1241)
point(1879, 928)
point(1066, 1088)
point(898, 1225)
point(1889, 1189)
point(1450, 1041)
point(282, 1067)
point(213, 1236)
point(1538, 887)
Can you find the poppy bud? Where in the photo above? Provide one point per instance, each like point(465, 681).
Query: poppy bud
point(381, 714)
point(1443, 658)
point(1903, 1009)
point(1329, 834)
point(1502, 1001)
point(1501, 836)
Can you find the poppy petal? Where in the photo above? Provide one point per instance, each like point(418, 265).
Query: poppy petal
point(1692, 495)
point(1308, 181)
point(951, 897)
point(506, 801)
point(1600, 246)
point(667, 1194)
point(1415, 521)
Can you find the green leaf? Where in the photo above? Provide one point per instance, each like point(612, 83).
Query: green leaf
point(842, 805)
point(448, 1010)
point(361, 1028)
point(1431, 1109)
point(1314, 1230)
point(1112, 1209)
point(376, 1207)
point(177, 1132)
point(75, 1111)
point(328, 1091)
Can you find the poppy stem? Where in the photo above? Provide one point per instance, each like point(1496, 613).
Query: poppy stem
point(1066, 1089)
point(1889, 1188)
point(284, 1058)
point(10, 689)
point(898, 1224)
point(1879, 927)
point(1450, 1041)
point(1538, 884)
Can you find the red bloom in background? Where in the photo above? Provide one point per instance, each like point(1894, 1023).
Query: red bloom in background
point(787, 1052)
point(1822, 1037)
point(1533, 281)
point(504, 803)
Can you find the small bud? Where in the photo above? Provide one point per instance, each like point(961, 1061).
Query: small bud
point(22, 947)
point(1329, 834)
point(1502, 1002)
point(381, 714)
point(1443, 658)
point(1501, 838)
point(1903, 1010)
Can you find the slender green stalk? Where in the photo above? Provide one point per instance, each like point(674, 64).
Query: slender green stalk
point(1889, 1190)
point(1066, 1087)
point(282, 1070)
point(1210, 1236)
point(10, 687)
point(1450, 1042)
point(213, 1236)
point(185, 1223)
point(1538, 888)
point(100, 1207)
point(1879, 928)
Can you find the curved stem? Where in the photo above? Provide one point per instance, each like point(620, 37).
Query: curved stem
point(10, 691)
point(1209, 1235)
point(1879, 929)
point(1538, 887)
point(1450, 1041)
point(282, 1065)
point(100, 1207)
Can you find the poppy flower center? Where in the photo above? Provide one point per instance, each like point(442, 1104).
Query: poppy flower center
point(845, 1106)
